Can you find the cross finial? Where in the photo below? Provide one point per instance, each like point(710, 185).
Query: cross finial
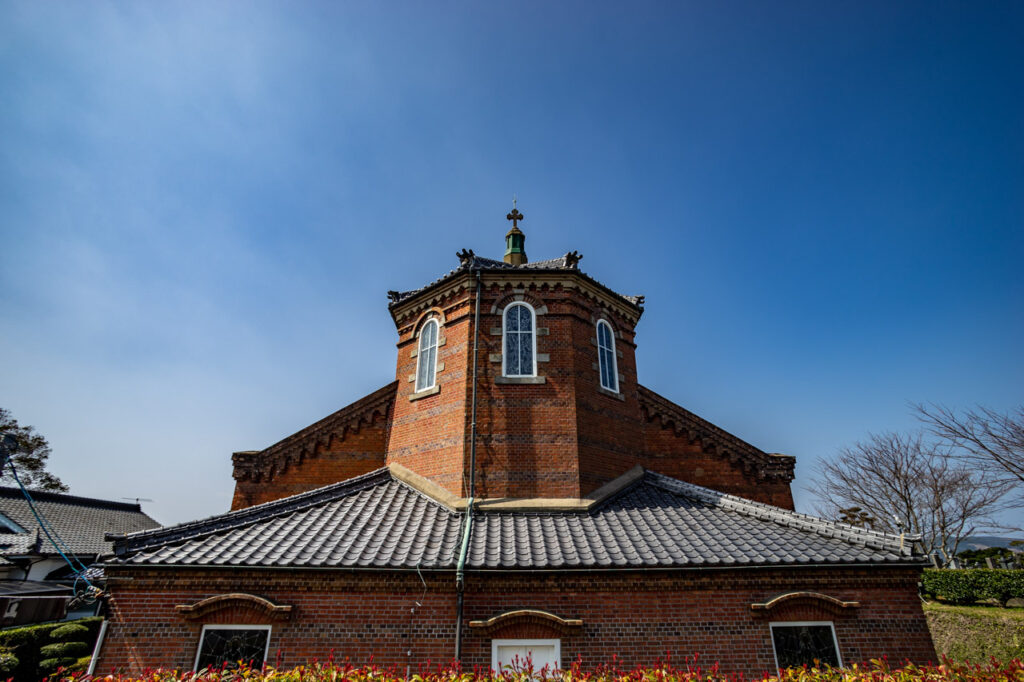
point(515, 240)
point(515, 216)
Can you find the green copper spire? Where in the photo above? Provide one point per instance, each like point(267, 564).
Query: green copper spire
point(515, 240)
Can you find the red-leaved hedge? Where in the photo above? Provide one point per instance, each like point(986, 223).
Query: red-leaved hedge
point(874, 671)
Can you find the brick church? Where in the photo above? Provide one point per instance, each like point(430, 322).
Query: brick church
point(514, 491)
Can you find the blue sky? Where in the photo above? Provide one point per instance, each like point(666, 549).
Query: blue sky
point(202, 206)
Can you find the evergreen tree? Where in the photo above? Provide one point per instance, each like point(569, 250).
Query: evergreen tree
point(29, 458)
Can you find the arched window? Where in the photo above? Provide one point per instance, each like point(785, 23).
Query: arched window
point(426, 356)
point(519, 358)
point(606, 357)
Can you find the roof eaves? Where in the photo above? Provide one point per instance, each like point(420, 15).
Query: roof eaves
point(479, 264)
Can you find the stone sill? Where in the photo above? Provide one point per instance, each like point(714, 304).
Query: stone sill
point(520, 380)
point(541, 357)
point(425, 393)
point(611, 394)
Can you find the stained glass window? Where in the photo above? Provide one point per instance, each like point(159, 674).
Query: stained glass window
point(800, 643)
point(519, 341)
point(227, 646)
point(606, 357)
point(426, 357)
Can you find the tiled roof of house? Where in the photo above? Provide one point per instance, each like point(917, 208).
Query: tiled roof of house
point(470, 262)
point(81, 522)
point(379, 521)
point(16, 544)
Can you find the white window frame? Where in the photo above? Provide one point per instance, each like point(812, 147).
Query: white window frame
point(796, 623)
point(202, 635)
point(495, 643)
point(504, 342)
point(615, 361)
point(420, 351)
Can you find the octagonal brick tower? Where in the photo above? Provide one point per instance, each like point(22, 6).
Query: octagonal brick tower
point(544, 429)
point(559, 409)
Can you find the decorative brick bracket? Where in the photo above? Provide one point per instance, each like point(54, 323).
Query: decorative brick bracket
point(753, 462)
point(264, 465)
point(203, 608)
point(565, 626)
point(806, 599)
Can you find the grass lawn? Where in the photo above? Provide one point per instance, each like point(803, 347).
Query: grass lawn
point(976, 633)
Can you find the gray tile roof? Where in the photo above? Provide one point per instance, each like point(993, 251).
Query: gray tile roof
point(377, 521)
point(15, 544)
point(369, 521)
point(81, 522)
point(469, 261)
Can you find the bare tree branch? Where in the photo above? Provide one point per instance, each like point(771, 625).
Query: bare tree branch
point(984, 438)
point(906, 480)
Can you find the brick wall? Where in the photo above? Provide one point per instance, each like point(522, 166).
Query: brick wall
point(671, 453)
point(527, 432)
point(609, 425)
point(354, 453)
point(637, 616)
point(428, 433)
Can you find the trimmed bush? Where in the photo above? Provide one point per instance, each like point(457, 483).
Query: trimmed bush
point(50, 665)
point(967, 586)
point(25, 642)
point(72, 632)
point(81, 665)
point(8, 663)
point(64, 650)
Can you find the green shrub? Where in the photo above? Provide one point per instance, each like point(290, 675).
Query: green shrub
point(69, 669)
point(1001, 585)
point(8, 663)
point(25, 642)
point(64, 650)
point(72, 632)
point(50, 665)
point(967, 586)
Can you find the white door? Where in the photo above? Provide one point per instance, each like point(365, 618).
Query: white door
point(516, 653)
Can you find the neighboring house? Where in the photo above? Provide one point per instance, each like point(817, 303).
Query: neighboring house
point(530, 497)
point(35, 580)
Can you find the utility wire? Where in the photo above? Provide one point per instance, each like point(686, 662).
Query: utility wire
point(90, 591)
point(47, 529)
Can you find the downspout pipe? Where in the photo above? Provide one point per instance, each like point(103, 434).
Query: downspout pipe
point(460, 571)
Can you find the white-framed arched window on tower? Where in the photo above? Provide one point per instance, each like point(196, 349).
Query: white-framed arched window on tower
point(426, 356)
point(519, 341)
point(606, 360)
